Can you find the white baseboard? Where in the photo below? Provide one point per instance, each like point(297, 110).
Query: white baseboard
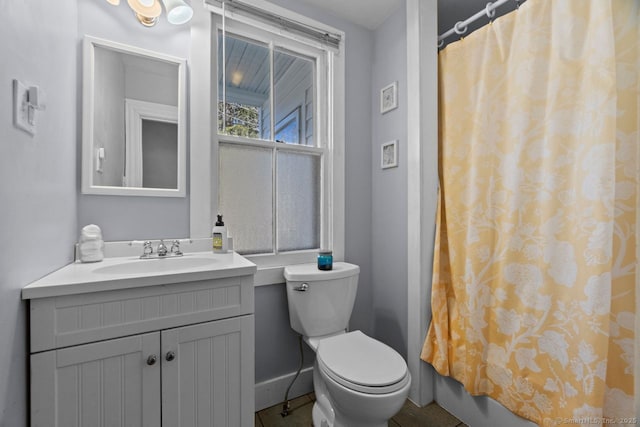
point(271, 392)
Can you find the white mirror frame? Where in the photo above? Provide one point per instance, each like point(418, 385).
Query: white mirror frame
point(88, 100)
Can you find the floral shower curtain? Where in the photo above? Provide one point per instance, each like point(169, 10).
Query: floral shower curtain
point(534, 272)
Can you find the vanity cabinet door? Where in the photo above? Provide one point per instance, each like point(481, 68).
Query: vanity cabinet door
point(208, 374)
point(114, 383)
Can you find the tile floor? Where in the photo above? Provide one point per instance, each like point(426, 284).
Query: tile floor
point(409, 416)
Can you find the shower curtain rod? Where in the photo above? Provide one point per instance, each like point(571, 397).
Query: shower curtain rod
point(461, 26)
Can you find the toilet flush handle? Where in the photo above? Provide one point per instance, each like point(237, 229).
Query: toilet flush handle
point(302, 288)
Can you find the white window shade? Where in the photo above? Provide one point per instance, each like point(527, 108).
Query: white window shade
point(247, 196)
point(298, 203)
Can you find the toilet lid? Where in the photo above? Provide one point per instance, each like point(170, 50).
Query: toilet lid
point(360, 360)
point(310, 272)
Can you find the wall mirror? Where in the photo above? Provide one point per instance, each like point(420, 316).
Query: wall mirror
point(133, 121)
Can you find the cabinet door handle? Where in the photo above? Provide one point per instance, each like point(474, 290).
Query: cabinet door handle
point(170, 356)
point(151, 360)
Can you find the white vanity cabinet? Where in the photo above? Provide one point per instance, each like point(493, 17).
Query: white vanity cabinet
point(204, 386)
point(167, 355)
point(104, 383)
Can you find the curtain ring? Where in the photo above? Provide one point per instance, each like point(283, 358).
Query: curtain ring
point(490, 12)
point(517, 4)
point(460, 28)
point(440, 43)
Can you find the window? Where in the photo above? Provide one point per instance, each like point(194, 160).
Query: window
point(270, 161)
point(269, 95)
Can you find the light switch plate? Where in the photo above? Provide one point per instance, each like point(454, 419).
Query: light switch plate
point(21, 107)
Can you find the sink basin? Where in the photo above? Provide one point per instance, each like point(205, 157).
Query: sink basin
point(156, 265)
point(126, 272)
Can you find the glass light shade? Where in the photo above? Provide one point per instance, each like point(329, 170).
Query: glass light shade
point(178, 12)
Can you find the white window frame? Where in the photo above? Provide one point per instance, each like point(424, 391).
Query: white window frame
point(329, 129)
point(322, 148)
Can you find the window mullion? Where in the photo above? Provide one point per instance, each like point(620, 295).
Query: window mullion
point(272, 101)
point(274, 156)
point(224, 70)
point(275, 199)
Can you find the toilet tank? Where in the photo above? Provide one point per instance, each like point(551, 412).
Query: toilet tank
point(320, 302)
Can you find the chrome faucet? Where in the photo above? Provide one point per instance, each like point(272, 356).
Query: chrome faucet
point(162, 249)
point(148, 250)
point(175, 248)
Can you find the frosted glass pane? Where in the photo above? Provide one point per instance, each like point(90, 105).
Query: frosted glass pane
point(293, 96)
point(298, 201)
point(244, 111)
point(245, 197)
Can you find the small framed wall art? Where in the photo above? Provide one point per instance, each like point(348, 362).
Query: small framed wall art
point(389, 155)
point(389, 97)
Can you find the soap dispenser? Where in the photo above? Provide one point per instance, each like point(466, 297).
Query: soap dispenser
point(219, 236)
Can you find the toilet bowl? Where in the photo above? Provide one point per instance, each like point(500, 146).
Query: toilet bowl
point(358, 381)
point(366, 382)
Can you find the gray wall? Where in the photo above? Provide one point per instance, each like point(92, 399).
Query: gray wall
point(152, 80)
point(389, 187)
point(37, 175)
point(127, 217)
point(108, 116)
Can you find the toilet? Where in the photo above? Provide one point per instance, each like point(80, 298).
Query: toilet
point(358, 381)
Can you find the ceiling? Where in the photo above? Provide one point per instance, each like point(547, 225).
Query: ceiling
point(367, 13)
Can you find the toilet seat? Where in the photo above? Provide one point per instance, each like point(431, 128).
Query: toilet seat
point(361, 363)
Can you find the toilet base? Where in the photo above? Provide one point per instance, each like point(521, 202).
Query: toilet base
point(323, 414)
point(326, 414)
point(320, 419)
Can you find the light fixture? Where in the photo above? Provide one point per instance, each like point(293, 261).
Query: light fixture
point(178, 12)
point(236, 78)
point(148, 11)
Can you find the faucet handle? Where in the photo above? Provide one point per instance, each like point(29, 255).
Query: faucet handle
point(175, 248)
point(148, 248)
point(162, 248)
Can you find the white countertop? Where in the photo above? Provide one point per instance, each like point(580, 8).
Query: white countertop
point(132, 272)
